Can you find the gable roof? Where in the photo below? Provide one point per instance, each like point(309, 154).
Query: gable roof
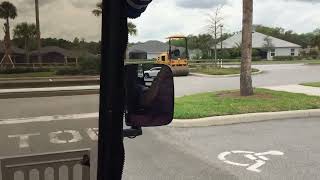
point(15, 50)
point(54, 49)
point(150, 47)
point(258, 41)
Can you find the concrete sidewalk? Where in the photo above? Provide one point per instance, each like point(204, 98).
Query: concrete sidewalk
point(48, 91)
point(295, 88)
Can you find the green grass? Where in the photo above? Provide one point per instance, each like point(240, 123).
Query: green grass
point(311, 62)
point(35, 74)
point(313, 84)
point(230, 103)
point(314, 63)
point(211, 70)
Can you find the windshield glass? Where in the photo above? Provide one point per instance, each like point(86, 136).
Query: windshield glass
point(243, 102)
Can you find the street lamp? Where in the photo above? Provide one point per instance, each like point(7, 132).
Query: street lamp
point(221, 42)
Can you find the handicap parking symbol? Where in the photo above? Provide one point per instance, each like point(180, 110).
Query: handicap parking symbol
point(259, 159)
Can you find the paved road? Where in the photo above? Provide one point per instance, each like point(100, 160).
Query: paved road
point(296, 138)
point(174, 153)
point(273, 75)
point(168, 153)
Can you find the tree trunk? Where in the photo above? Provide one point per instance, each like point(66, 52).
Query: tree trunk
point(215, 43)
point(246, 51)
point(38, 32)
point(7, 45)
point(26, 51)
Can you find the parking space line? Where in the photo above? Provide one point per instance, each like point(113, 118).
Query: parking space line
point(48, 118)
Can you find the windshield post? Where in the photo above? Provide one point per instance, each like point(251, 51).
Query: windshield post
point(114, 42)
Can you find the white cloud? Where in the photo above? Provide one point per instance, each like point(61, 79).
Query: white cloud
point(202, 4)
point(72, 18)
point(61, 18)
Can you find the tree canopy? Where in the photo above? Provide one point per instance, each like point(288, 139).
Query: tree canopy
point(132, 28)
point(24, 31)
point(304, 39)
point(8, 10)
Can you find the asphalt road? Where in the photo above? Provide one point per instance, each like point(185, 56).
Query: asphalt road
point(170, 153)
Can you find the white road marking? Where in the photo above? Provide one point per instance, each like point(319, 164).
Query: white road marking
point(48, 118)
point(93, 133)
point(243, 152)
point(23, 139)
point(259, 158)
point(250, 156)
point(49, 89)
point(255, 167)
point(222, 156)
point(236, 164)
point(54, 137)
point(263, 158)
point(274, 153)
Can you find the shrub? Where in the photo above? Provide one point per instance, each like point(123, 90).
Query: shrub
point(283, 58)
point(256, 58)
point(68, 71)
point(21, 70)
point(89, 65)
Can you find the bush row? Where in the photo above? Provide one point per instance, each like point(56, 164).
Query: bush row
point(21, 70)
point(292, 58)
point(87, 66)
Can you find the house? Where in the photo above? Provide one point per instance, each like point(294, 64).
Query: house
point(267, 46)
point(148, 50)
point(137, 54)
point(17, 54)
point(54, 55)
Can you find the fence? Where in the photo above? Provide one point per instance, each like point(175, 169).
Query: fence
point(43, 163)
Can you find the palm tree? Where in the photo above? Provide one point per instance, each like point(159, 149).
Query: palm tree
point(38, 31)
point(7, 11)
point(26, 32)
point(316, 41)
point(132, 28)
point(98, 10)
point(246, 49)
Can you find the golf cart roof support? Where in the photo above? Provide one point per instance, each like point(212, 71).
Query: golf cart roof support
point(114, 42)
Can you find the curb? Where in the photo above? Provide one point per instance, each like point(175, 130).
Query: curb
point(230, 75)
point(47, 83)
point(244, 118)
point(48, 94)
point(49, 77)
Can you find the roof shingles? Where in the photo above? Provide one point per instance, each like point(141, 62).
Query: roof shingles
point(258, 41)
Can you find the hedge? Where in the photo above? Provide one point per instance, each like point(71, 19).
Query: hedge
point(21, 70)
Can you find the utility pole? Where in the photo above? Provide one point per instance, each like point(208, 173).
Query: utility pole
point(38, 32)
point(215, 40)
point(221, 43)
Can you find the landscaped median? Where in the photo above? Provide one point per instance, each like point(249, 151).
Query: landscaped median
point(312, 84)
point(219, 71)
point(225, 103)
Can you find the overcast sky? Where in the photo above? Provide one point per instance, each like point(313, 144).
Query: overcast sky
point(72, 18)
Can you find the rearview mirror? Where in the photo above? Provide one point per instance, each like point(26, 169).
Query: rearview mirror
point(149, 95)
